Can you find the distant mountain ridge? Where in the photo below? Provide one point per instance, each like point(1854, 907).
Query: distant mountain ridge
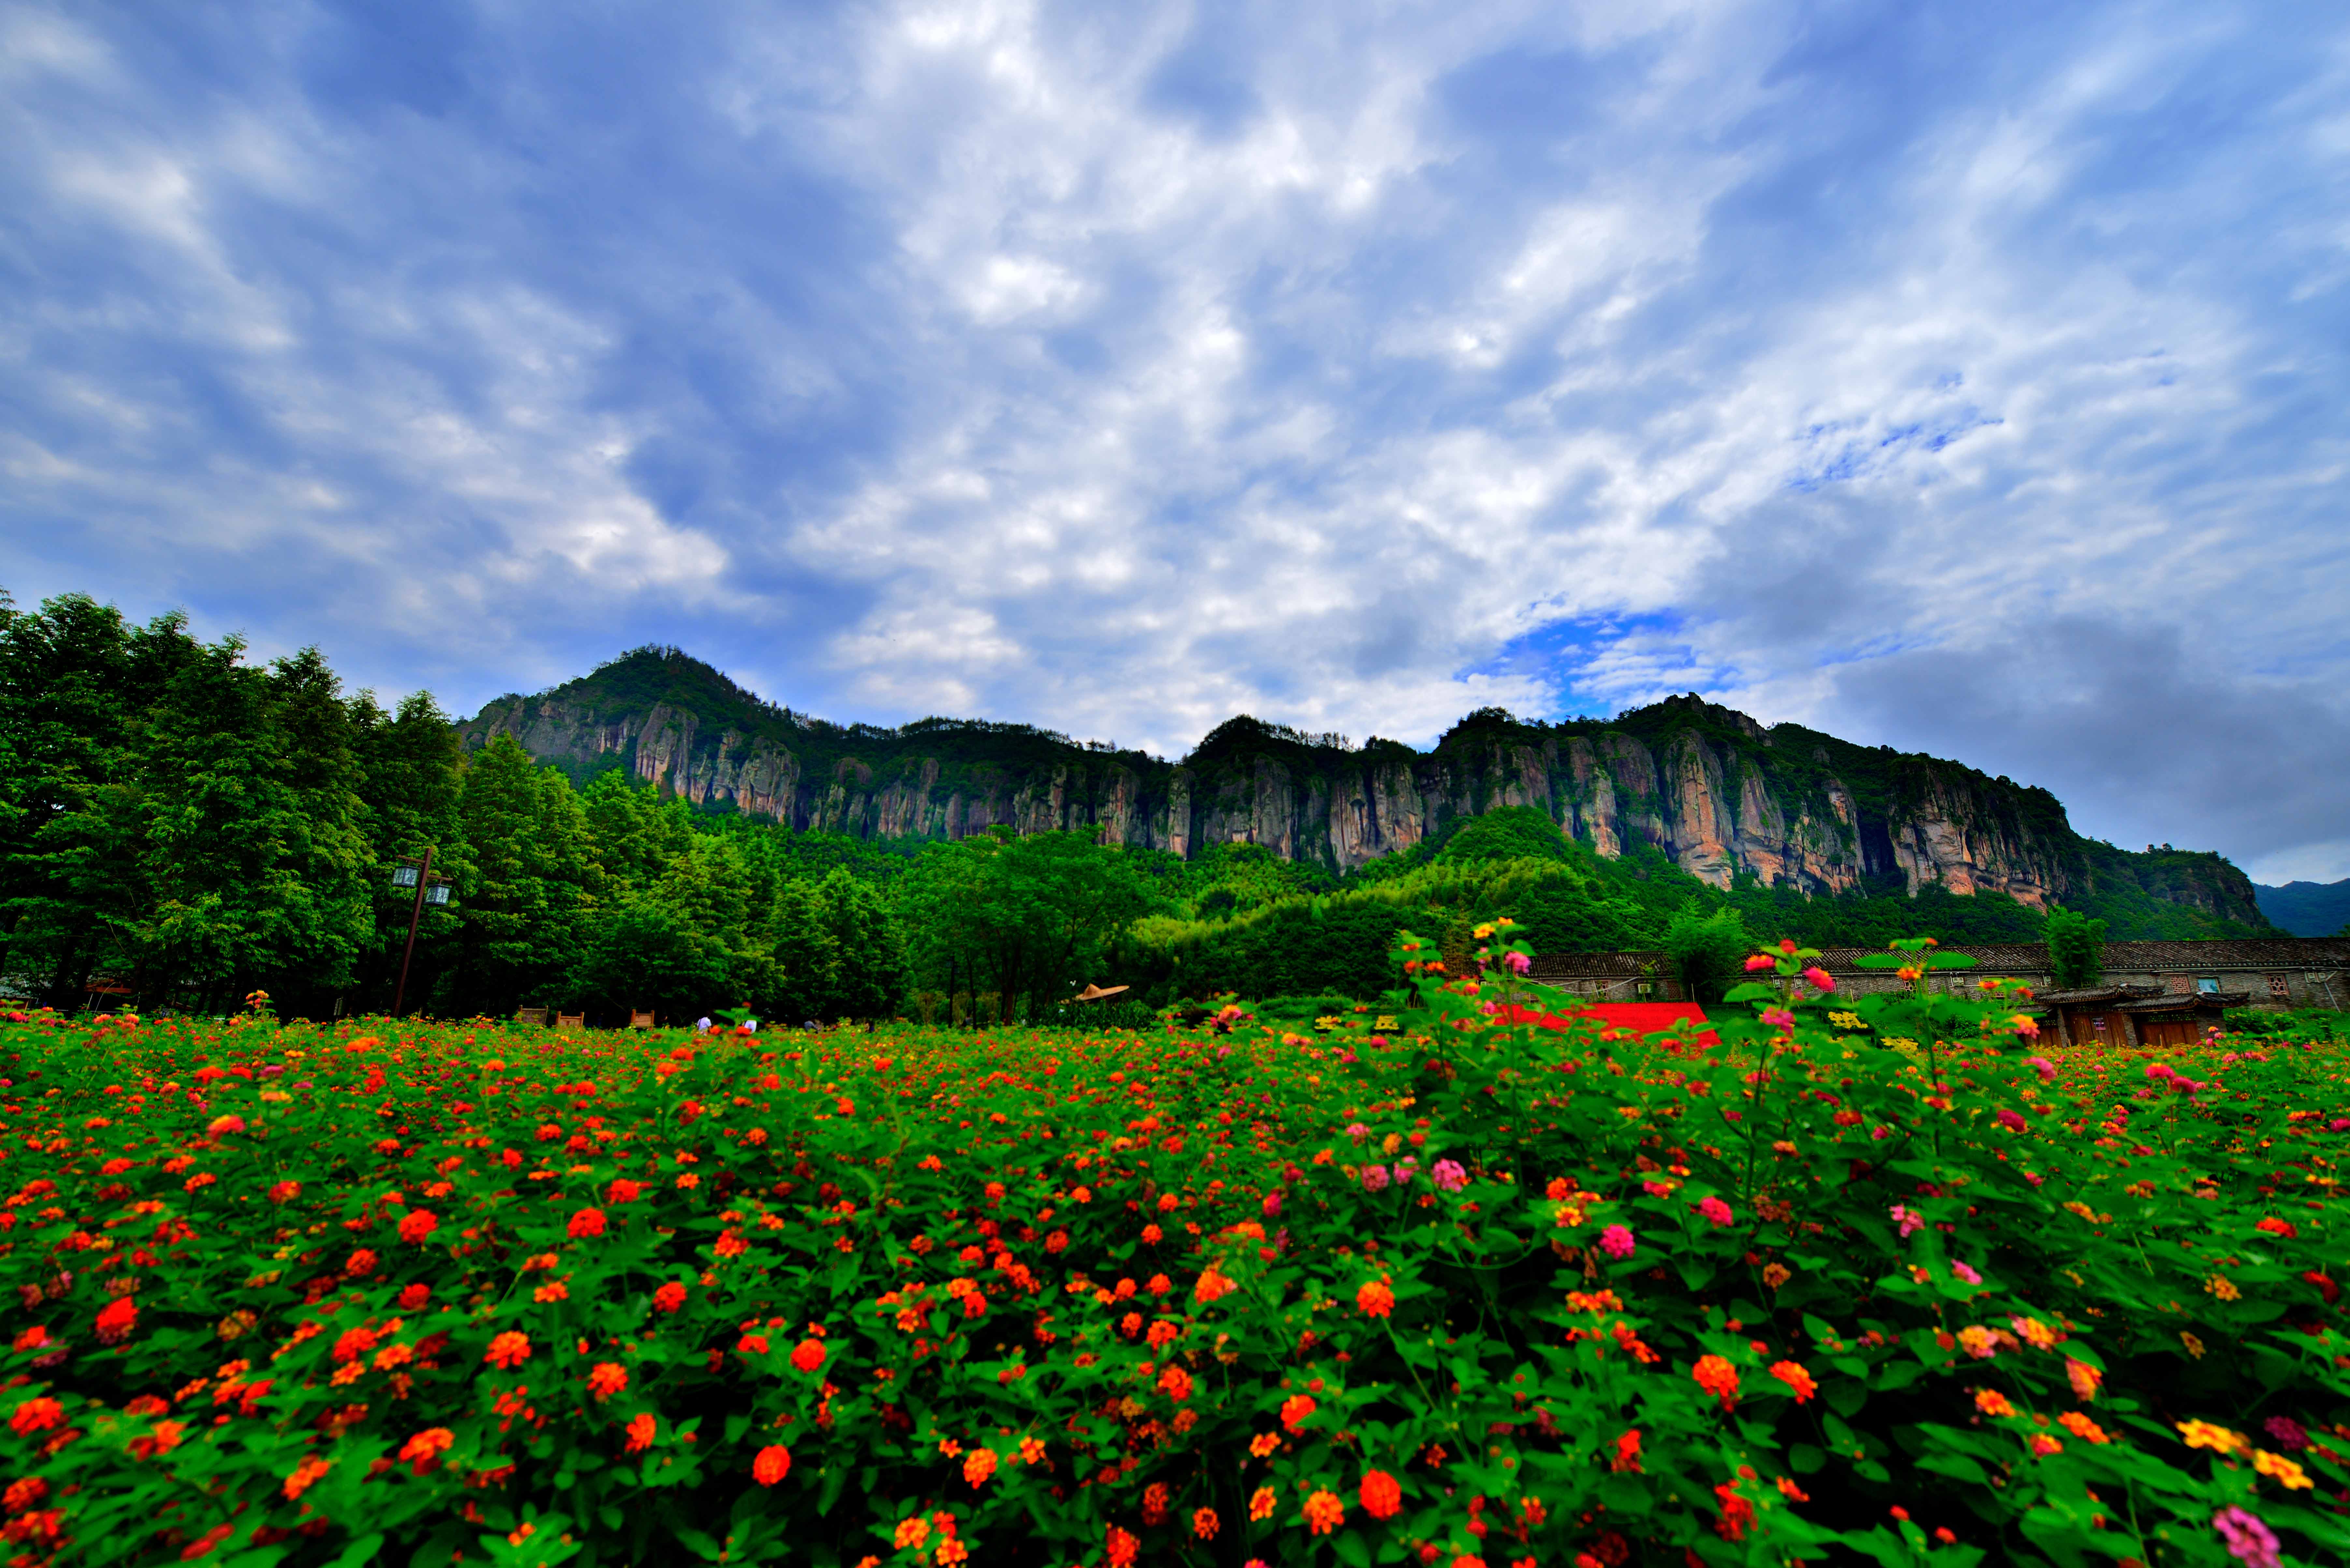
point(1708, 789)
point(2307, 909)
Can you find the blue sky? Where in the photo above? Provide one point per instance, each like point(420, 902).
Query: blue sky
point(1969, 377)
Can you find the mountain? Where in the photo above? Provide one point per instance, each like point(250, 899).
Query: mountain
point(1708, 789)
point(2307, 909)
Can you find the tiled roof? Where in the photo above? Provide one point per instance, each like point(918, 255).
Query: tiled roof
point(2189, 1001)
point(2095, 993)
point(2269, 953)
point(1600, 966)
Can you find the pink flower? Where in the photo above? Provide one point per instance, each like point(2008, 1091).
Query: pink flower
point(1448, 1175)
point(2043, 1066)
point(1715, 1210)
point(2012, 1122)
point(1966, 1273)
point(1518, 962)
point(1759, 961)
point(1778, 1018)
point(1819, 979)
point(1270, 1207)
point(1375, 1179)
point(1617, 1241)
point(1910, 1220)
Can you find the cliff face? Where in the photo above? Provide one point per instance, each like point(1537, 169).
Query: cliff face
point(1710, 789)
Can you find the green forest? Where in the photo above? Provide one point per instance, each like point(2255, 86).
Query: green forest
point(181, 826)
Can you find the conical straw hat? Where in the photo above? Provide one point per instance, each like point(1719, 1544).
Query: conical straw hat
point(1095, 992)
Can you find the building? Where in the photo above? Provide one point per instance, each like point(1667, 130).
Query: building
point(2133, 1014)
point(2264, 972)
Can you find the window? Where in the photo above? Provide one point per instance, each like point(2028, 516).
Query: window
point(2209, 985)
point(2277, 990)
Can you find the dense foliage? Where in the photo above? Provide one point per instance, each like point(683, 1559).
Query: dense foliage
point(1884, 1281)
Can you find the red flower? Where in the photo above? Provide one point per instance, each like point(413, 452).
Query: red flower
point(37, 1415)
point(362, 1265)
point(670, 1297)
point(1794, 1376)
point(1295, 1408)
point(116, 1319)
point(623, 1191)
point(808, 1355)
point(1717, 1377)
point(641, 1433)
point(1376, 1299)
point(607, 1380)
point(774, 1463)
point(285, 1191)
point(508, 1350)
point(418, 1225)
point(1382, 1495)
point(427, 1443)
point(586, 1223)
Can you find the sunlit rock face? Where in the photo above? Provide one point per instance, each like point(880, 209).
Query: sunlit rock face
point(1706, 788)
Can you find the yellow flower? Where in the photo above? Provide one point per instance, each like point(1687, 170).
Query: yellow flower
point(2194, 1345)
point(2204, 1435)
point(2223, 1287)
point(2276, 1467)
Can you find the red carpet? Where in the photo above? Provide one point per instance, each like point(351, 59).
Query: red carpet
point(1621, 1020)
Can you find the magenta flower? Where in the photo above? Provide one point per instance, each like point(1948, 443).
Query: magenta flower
point(1448, 1175)
point(2286, 1433)
point(1910, 1220)
point(2012, 1122)
point(1778, 1018)
point(1715, 1210)
point(1518, 962)
point(1617, 1241)
point(1966, 1272)
point(2248, 1540)
point(1272, 1206)
point(1358, 1131)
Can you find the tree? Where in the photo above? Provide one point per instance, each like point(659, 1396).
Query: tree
point(2077, 949)
point(532, 885)
point(1707, 952)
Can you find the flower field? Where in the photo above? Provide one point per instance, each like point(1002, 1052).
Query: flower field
point(1876, 1278)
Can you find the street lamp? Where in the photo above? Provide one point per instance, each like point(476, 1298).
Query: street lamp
point(430, 889)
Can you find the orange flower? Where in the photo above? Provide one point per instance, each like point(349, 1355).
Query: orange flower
point(425, 1444)
point(977, 1465)
point(1214, 1285)
point(1793, 1375)
point(1717, 1377)
point(912, 1532)
point(1376, 1299)
point(508, 1350)
point(2044, 1445)
point(808, 1355)
point(306, 1474)
point(586, 1223)
point(1324, 1512)
point(418, 1225)
point(2083, 1428)
point(1260, 1502)
point(1176, 1382)
point(641, 1433)
point(670, 1297)
point(1264, 1443)
point(774, 1463)
point(1203, 1523)
point(1991, 1402)
point(1382, 1495)
point(2084, 1379)
point(607, 1380)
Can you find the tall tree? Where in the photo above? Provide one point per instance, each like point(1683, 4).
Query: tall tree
point(532, 885)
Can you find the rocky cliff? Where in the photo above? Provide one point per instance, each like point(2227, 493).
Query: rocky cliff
point(1709, 790)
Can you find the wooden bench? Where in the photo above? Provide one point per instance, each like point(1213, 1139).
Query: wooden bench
point(571, 1021)
point(640, 1019)
point(534, 1016)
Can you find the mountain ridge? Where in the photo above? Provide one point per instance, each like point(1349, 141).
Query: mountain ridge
point(2306, 908)
point(1709, 789)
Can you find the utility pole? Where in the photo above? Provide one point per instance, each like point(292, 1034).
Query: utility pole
point(437, 888)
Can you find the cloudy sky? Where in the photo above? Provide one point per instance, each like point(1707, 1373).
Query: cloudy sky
point(1968, 377)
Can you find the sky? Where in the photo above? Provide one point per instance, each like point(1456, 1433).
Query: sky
point(1967, 378)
